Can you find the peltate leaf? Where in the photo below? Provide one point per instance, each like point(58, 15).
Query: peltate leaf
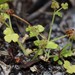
point(8, 38)
point(55, 58)
point(64, 5)
point(52, 45)
point(40, 52)
point(7, 31)
point(15, 37)
point(69, 67)
point(60, 62)
point(66, 53)
point(40, 28)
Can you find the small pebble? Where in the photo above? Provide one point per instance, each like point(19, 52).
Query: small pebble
point(46, 73)
point(58, 73)
point(2, 73)
point(19, 73)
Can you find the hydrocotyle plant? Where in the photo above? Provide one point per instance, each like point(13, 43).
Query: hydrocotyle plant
point(44, 45)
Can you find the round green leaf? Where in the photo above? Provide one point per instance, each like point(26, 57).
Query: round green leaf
point(15, 37)
point(66, 64)
point(8, 38)
point(28, 28)
point(55, 4)
point(55, 58)
point(66, 53)
point(40, 28)
point(69, 67)
point(52, 45)
point(64, 5)
point(40, 52)
point(37, 42)
point(7, 31)
point(60, 62)
point(5, 16)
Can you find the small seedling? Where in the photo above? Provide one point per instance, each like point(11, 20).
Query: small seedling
point(10, 35)
point(44, 45)
point(69, 67)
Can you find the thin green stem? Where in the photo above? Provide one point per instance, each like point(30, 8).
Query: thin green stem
point(51, 26)
point(59, 10)
point(35, 56)
point(6, 23)
point(51, 56)
point(55, 39)
point(66, 46)
point(71, 44)
point(10, 23)
point(37, 38)
point(43, 36)
point(52, 23)
point(37, 51)
point(48, 54)
point(21, 46)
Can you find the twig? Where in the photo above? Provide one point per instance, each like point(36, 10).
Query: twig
point(25, 21)
point(11, 12)
point(28, 64)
